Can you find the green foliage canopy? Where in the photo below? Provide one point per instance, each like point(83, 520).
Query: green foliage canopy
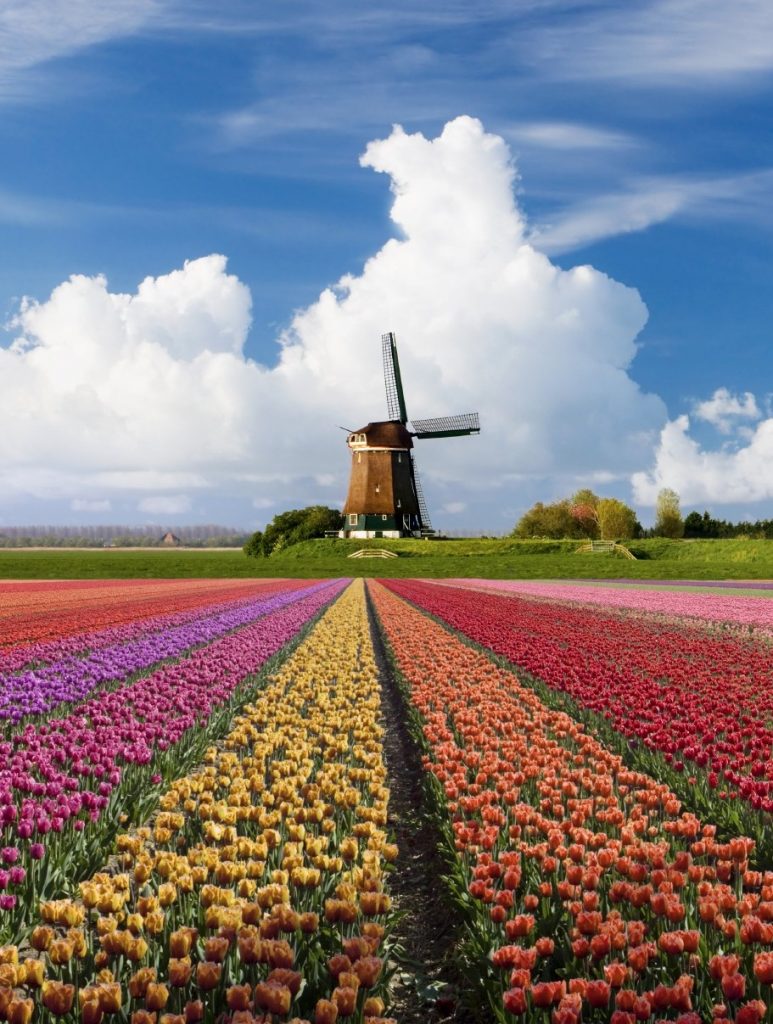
point(668, 515)
point(706, 526)
point(554, 520)
point(617, 521)
point(291, 527)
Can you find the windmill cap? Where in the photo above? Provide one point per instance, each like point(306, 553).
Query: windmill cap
point(385, 434)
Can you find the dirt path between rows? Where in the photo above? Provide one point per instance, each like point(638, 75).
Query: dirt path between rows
point(426, 988)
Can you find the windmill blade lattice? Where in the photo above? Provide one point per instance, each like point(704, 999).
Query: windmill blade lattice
point(392, 379)
point(447, 426)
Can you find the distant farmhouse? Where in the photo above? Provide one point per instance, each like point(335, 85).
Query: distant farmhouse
point(170, 540)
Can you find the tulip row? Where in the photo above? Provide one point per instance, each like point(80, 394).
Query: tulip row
point(79, 773)
point(588, 893)
point(704, 702)
point(35, 612)
point(738, 609)
point(71, 678)
point(257, 892)
point(43, 652)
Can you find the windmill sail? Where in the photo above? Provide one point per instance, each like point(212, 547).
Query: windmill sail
point(447, 426)
point(423, 510)
point(392, 379)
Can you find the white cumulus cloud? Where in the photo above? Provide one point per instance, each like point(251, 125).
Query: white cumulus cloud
point(151, 393)
point(723, 409)
point(737, 475)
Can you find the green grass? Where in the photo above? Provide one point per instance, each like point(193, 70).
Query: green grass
point(495, 559)
point(115, 563)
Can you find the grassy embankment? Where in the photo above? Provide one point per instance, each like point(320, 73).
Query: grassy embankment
point(495, 559)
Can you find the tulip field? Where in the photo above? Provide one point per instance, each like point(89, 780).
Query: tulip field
point(198, 816)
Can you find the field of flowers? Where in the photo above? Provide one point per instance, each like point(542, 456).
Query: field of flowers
point(195, 814)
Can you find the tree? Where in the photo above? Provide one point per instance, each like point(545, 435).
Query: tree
point(668, 516)
point(583, 507)
point(254, 545)
point(617, 521)
point(554, 521)
point(291, 527)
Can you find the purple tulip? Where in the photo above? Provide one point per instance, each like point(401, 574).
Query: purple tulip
point(118, 654)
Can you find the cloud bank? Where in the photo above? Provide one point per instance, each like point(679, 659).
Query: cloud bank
point(740, 472)
point(150, 397)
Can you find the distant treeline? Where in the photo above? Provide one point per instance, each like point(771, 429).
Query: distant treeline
point(206, 536)
point(697, 525)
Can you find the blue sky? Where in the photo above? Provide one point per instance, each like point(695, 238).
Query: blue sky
point(138, 134)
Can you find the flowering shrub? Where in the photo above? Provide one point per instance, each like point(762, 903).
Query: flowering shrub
point(588, 893)
point(705, 702)
point(258, 891)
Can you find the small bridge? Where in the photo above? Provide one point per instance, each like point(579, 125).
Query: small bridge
point(373, 553)
point(604, 547)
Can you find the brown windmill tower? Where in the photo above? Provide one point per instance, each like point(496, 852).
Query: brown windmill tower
point(385, 497)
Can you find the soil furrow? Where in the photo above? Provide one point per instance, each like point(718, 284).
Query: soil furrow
point(426, 988)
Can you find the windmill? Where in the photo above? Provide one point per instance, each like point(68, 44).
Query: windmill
point(385, 498)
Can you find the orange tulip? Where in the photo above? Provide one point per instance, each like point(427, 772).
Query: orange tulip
point(273, 997)
point(139, 981)
point(367, 969)
point(57, 997)
point(34, 972)
point(284, 976)
point(110, 997)
point(194, 1011)
point(238, 997)
point(156, 996)
point(42, 937)
point(20, 1011)
point(143, 1017)
point(181, 941)
point(179, 971)
point(208, 975)
point(216, 949)
point(91, 1012)
point(325, 1012)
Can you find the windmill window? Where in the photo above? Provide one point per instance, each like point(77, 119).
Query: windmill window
point(384, 518)
point(352, 519)
point(398, 503)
